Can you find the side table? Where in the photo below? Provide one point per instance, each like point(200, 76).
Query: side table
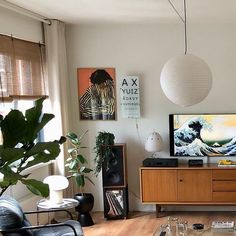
point(65, 205)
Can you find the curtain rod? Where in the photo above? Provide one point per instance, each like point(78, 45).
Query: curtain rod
point(24, 11)
point(14, 37)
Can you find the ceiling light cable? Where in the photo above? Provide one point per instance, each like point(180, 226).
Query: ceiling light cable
point(185, 29)
point(173, 6)
point(184, 20)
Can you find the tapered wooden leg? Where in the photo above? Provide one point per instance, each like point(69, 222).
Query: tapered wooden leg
point(158, 211)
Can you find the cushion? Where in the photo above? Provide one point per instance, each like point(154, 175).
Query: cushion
point(64, 230)
point(12, 216)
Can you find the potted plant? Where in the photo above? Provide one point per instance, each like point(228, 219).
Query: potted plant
point(103, 149)
point(76, 164)
point(21, 150)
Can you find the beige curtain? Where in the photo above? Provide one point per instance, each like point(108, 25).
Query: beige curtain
point(58, 85)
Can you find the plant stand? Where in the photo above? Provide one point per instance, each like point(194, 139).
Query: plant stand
point(86, 202)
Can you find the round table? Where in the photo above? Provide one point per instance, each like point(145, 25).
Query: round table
point(67, 203)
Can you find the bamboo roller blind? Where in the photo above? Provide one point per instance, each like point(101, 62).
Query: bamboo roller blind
point(22, 68)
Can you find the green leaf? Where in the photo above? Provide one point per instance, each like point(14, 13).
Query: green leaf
point(71, 135)
point(43, 152)
point(10, 176)
point(73, 165)
point(11, 155)
point(70, 150)
point(85, 169)
point(34, 121)
point(80, 180)
point(86, 177)
point(75, 142)
point(81, 159)
point(36, 187)
point(13, 128)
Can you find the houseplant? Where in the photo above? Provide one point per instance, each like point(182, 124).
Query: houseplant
point(21, 150)
point(103, 149)
point(76, 164)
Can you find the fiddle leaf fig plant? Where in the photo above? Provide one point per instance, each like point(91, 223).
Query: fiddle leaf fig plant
point(76, 162)
point(20, 148)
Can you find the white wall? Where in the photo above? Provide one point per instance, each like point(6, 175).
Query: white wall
point(142, 50)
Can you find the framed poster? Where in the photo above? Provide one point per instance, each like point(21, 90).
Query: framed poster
point(200, 135)
point(96, 91)
point(129, 97)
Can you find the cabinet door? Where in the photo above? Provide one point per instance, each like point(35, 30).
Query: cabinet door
point(194, 185)
point(158, 185)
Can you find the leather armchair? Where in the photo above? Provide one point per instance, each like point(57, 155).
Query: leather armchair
point(13, 222)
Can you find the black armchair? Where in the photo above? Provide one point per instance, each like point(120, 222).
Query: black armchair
point(13, 222)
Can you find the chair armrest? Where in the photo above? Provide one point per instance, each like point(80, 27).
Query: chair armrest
point(49, 211)
point(37, 227)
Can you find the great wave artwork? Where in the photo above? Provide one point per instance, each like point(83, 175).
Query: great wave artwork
point(203, 135)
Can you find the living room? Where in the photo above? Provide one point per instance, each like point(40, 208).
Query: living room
point(136, 39)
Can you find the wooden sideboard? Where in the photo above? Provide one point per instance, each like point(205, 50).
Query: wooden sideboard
point(184, 185)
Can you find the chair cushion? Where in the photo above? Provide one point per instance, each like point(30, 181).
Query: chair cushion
point(64, 230)
point(12, 216)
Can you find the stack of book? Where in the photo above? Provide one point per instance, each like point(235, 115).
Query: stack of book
point(225, 163)
point(223, 225)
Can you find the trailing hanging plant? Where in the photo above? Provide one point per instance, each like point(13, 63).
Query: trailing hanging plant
point(21, 150)
point(76, 162)
point(103, 149)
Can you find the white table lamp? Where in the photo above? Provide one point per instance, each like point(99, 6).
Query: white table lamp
point(154, 142)
point(57, 183)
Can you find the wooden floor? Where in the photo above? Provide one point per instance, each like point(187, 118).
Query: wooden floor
point(145, 224)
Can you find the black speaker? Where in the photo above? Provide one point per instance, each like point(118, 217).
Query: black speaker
point(115, 187)
point(114, 167)
point(116, 204)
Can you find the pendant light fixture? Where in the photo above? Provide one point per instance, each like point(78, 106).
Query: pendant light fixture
point(185, 79)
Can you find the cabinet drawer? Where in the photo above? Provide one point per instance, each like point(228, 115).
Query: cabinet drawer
point(224, 196)
point(224, 174)
point(224, 185)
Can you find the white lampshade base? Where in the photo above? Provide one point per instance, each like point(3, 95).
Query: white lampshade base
point(186, 80)
point(56, 196)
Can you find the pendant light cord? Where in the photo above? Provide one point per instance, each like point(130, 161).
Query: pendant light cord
point(184, 20)
point(185, 29)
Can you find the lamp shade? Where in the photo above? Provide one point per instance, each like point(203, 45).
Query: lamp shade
point(186, 80)
point(154, 142)
point(56, 185)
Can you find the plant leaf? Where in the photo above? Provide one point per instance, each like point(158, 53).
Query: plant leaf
point(34, 121)
point(36, 187)
point(85, 169)
point(43, 152)
point(80, 180)
point(11, 155)
point(73, 165)
point(81, 159)
point(71, 135)
point(13, 128)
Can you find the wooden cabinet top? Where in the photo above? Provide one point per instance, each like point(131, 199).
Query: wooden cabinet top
point(185, 166)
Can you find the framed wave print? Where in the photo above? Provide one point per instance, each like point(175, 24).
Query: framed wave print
point(202, 134)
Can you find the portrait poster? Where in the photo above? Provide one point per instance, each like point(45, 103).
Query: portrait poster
point(96, 92)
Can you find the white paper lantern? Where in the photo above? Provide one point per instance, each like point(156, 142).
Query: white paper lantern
point(186, 80)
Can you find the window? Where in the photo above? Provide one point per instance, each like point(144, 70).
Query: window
point(22, 69)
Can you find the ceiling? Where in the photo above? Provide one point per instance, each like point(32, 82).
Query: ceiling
point(130, 11)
